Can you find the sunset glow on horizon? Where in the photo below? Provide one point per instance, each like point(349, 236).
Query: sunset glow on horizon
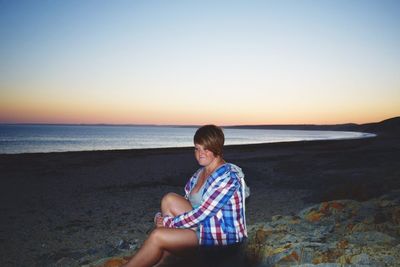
point(199, 62)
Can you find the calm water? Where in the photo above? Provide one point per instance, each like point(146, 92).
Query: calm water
point(56, 138)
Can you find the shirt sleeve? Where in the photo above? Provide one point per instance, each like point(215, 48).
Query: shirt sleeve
point(215, 199)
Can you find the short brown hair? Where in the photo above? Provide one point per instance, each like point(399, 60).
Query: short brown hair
point(211, 137)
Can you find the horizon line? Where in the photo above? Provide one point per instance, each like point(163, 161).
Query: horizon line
point(181, 125)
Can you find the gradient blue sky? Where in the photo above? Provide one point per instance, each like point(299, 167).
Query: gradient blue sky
point(196, 62)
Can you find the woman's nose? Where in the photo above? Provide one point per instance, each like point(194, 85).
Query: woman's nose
point(202, 152)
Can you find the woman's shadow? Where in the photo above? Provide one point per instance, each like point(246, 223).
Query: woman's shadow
point(213, 256)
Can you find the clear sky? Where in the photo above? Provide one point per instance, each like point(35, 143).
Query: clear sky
point(197, 62)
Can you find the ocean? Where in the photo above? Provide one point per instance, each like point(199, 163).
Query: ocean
point(21, 138)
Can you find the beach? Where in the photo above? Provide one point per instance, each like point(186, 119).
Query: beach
point(72, 208)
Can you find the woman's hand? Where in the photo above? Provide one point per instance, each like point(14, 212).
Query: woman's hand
point(158, 220)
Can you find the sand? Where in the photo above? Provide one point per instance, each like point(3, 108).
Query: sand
point(77, 205)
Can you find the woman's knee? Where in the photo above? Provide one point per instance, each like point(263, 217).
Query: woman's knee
point(167, 201)
point(173, 205)
point(169, 197)
point(156, 236)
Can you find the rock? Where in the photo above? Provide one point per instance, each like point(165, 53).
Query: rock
point(123, 245)
point(64, 262)
point(362, 259)
point(371, 238)
point(396, 215)
point(114, 262)
point(335, 233)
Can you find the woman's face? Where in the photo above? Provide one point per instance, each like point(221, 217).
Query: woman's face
point(203, 156)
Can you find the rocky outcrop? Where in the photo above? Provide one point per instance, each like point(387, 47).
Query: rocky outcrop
point(330, 234)
point(335, 233)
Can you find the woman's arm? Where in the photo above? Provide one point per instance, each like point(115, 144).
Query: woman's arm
point(217, 197)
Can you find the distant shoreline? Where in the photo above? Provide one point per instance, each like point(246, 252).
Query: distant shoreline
point(386, 128)
point(183, 148)
point(364, 136)
point(261, 126)
point(306, 126)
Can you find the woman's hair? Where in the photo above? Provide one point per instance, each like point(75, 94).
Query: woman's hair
point(211, 137)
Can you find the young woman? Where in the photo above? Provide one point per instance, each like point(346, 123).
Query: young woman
point(212, 211)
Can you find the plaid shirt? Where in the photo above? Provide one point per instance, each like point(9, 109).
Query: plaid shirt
point(220, 217)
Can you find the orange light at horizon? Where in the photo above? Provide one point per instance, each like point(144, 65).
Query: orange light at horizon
point(47, 106)
point(123, 115)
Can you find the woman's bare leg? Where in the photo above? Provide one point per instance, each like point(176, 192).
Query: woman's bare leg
point(160, 240)
point(163, 241)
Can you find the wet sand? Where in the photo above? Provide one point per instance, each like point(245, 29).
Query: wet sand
point(81, 205)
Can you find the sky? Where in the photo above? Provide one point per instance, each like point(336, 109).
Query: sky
point(199, 62)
